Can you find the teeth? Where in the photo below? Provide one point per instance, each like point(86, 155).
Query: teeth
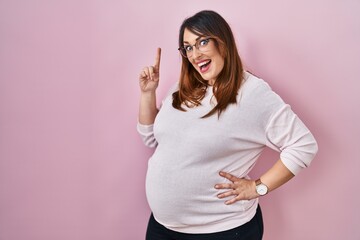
point(203, 63)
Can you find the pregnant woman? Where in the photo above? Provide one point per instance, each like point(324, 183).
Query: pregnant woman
point(208, 135)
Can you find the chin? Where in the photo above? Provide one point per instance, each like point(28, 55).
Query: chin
point(208, 78)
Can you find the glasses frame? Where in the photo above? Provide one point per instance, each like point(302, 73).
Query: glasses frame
point(183, 51)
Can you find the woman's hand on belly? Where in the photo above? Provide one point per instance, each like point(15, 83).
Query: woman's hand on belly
point(237, 188)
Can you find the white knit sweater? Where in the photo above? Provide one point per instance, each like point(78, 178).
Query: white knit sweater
point(191, 151)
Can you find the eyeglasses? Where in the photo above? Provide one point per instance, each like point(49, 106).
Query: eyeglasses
point(201, 45)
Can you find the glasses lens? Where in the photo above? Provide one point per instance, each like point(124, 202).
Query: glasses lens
point(202, 44)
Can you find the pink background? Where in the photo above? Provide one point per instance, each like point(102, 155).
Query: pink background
point(71, 163)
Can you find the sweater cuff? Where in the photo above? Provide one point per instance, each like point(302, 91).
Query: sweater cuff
point(291, 165)
point(145, 129)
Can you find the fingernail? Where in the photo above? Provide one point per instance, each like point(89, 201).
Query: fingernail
point(216, 186)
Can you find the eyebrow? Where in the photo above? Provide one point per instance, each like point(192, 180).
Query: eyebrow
point(195, 39)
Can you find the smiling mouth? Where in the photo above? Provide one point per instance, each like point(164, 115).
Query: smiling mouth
point(204, 66)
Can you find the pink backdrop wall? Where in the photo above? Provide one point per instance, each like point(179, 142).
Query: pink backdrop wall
point(71, 163)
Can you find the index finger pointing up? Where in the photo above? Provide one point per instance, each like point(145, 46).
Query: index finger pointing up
point(157, 60)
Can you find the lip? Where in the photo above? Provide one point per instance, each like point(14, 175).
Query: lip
point(201, 63)
point(205, 68)
point(205, 60)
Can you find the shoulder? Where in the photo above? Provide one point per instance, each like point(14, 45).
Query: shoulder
point(168, 96)
point(173, 88)
point(257, 94)
point(253, 84)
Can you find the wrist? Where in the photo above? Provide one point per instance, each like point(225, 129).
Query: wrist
point(149, 93)
point(148, 98)
point(261, 188)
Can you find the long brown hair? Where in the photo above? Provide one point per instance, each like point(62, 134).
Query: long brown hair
point(192, 87)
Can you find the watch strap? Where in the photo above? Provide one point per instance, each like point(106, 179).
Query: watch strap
point(258, 182)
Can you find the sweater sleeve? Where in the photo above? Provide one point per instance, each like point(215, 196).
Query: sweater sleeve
point(147, 131)
point(287, 134)
point(147, 134)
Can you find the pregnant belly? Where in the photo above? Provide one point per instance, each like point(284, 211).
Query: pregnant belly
point(181, 196)
point(176, 194)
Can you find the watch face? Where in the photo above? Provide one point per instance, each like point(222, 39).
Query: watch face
point(261, 189)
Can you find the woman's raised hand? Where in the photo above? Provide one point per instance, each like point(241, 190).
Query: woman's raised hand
point(149, 76)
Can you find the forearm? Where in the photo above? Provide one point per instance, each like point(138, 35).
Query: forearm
point(147, 108)
point(276, 176)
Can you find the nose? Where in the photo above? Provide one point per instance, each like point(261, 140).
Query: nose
point(196, 53)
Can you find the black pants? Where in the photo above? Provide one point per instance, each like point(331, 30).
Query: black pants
point(252, 230)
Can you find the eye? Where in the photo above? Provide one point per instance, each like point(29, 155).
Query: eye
point(188, 48)
point(204, 42)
